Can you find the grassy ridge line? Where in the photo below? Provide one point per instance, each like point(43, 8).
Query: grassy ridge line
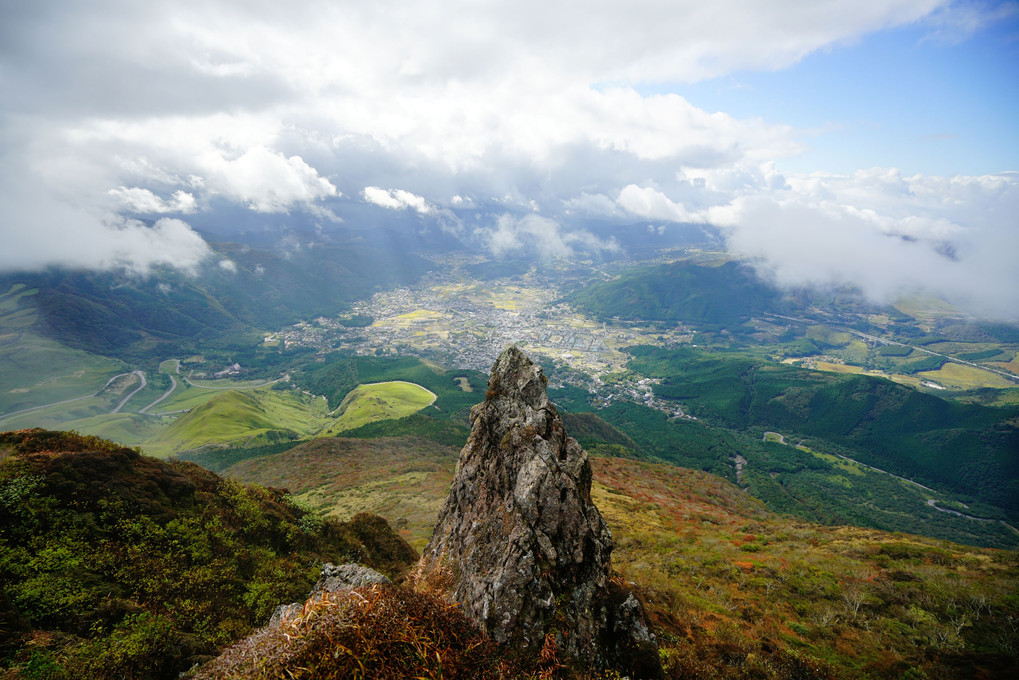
point(371, 402)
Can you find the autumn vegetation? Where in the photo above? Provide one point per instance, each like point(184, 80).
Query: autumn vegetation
point(733, 589)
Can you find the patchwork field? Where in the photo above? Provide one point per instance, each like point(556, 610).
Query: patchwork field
point(961, 377)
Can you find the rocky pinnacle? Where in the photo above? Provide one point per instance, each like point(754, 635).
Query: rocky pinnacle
point(518, 543)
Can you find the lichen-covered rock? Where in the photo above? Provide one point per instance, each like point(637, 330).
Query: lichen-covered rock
point(346, 576)
point(333, 579)
point(519, 543)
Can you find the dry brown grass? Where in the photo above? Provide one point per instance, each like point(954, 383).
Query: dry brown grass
point(384, 632)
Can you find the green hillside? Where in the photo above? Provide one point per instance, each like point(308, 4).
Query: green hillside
point(257, 417)
point(679, 291)
point(965, 448)
point(337, 377)
point(115, 565)
point(372, 402)
point(37, 370)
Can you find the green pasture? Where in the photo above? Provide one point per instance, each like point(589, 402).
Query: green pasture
point(378, 401)
point(254, 417)
point(35, 371)
point(129, 429)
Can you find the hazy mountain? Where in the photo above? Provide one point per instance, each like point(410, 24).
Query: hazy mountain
point(239, 289)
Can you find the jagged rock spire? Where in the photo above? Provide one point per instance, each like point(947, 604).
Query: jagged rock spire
point(518, 543)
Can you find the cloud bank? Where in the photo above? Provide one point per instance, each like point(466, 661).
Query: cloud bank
point(523, 112)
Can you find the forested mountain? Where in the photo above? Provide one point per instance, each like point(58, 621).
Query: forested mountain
point(968, 448)
point(729, 293)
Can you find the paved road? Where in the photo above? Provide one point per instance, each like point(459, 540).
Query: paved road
point(173, 386)
point(133, 392)
point(236, 387)
point(66, 401)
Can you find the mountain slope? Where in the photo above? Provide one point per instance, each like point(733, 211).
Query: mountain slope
point(116, 565)
point(240, 288)
point(680, 291)
point(966, 448)
point(733, 589)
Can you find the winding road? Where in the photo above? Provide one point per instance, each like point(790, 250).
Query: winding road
point(86, 396)
point(173, 386)
point(133, 392)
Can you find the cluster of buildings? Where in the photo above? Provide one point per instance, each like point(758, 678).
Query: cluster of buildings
point(466, 325)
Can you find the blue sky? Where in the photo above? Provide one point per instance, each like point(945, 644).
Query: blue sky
point(901, 97)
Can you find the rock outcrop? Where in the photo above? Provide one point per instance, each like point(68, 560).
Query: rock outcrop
point(519, 543)
point(333, 579)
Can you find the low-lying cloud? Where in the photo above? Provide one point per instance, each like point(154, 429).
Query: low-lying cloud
point(138, 200)
point(537, 237)
point(397, 199)
point(888, 236)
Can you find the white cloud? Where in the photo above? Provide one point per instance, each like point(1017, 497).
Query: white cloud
point(267, 181)
point(887, 234)
point(397, 199)
point(155, 108)
point(138, 200)
point(534, 236)
point(69, 238)
point(652, 204)
point(228, 266)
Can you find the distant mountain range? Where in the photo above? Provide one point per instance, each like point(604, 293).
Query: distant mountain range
point(240, 288)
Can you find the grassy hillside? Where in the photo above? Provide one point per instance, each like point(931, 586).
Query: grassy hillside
point(378, 401)
point(257, 417)
point(404, 479)
point(679, 291)
point(116, 565)
point(38, 370)
point(337, 377)
point(737, 592)
point(965, 448)
point(733, 589)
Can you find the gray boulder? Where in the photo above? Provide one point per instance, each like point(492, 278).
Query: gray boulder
point(333, 579)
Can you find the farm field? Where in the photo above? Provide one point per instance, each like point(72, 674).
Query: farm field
point(962, 377)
